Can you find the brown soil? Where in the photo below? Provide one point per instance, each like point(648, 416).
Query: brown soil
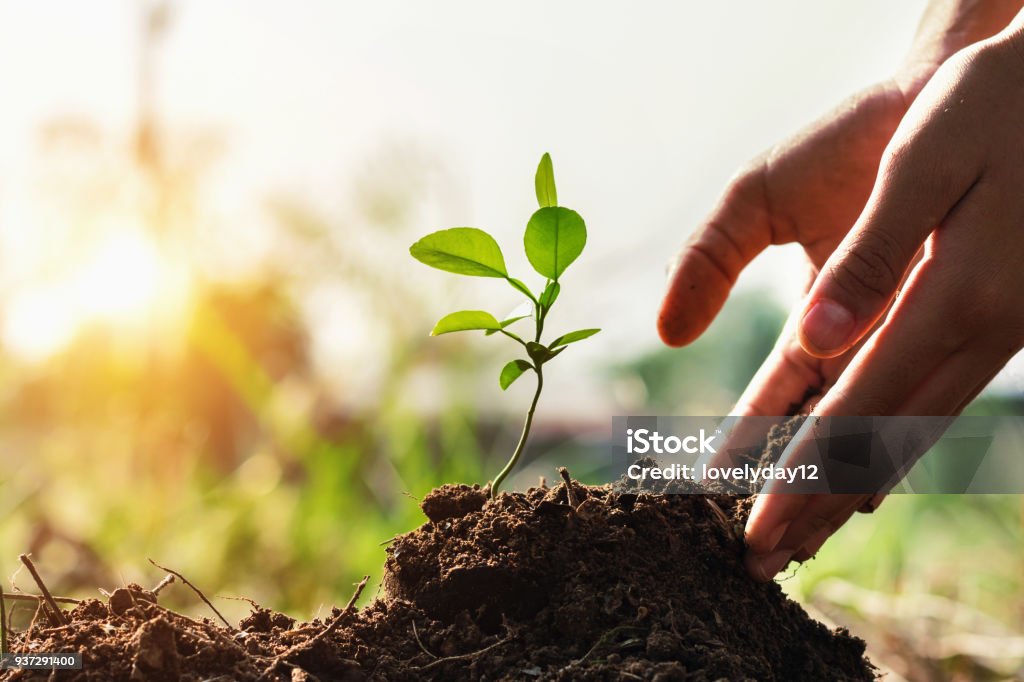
point(617, 586)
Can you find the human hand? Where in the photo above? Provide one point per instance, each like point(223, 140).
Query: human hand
point(950, 187)
point(809, 189)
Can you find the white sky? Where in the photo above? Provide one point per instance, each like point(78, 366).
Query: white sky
point(647, 108)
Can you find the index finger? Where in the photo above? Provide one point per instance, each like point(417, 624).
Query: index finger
point(706, 268)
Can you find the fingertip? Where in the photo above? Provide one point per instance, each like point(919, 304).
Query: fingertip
point(762, 540)
point(769, 519)
point(755, 568)
point(764, 567)
point(678, 325)
point(673, 330)
point(696, 293)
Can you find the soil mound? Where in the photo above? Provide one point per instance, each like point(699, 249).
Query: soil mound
point(580, 583)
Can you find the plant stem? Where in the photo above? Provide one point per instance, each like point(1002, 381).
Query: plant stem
point(541, 313)
point(522, 438)
point(513, 337)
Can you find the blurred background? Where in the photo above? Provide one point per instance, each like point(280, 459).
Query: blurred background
point(213, 342)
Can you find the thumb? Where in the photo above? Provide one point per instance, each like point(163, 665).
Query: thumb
point(911, 197)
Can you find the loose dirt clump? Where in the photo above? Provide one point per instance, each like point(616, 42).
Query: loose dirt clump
point(618, 586)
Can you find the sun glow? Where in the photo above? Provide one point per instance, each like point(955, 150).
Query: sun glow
point(119, 282)
point(122, 281)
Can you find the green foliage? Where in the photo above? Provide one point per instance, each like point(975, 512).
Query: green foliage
point(554, 238)
point(550, 294)
point(540, 353)
point(547, 195)
point(505, 323)
point(462, 250)
point(516, 284)
point(466, 320)
point(512, 371)
point(573, 337)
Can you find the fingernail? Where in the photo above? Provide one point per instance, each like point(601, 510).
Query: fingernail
point(764, 567)
point(827, 325)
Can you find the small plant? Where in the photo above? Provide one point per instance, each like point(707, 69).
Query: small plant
point(554, 238)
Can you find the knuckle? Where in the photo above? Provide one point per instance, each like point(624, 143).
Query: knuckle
point(911, 164)
point(867, 268)
point(746, 182)
point(908, 158)
point(899, 154)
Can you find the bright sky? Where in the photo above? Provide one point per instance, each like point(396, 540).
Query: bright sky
point(647, 108)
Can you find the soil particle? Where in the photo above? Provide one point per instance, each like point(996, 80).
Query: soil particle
point(156, 654)
point(453, 501)
point(265, 621)
point(124, 598)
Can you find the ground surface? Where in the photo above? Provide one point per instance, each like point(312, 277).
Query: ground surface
point(579, 583)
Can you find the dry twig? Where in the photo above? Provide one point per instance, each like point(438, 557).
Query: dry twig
point(57, 617)
point(16, 596)
point(462, 657)
point(569, 490)
point(168, 579)
point(332, 626)
point(3, 623)
point(281, 659)
point(420, 642)
point(602, 640)
point(251, 602)
point(198, 592)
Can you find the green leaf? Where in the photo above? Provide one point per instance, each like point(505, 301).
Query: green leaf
point(512, 371)
point(462, 250)
point(554, 238)
point(505, 323)
point(516, 284)
point(465, 320)
point(551, 291)
point(540, 353)
point(544, 182)
point(573, 337)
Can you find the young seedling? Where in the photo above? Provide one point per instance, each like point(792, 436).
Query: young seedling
point(554, 238)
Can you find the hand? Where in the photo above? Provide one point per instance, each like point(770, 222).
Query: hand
point(950, 186)
point(810, 190)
